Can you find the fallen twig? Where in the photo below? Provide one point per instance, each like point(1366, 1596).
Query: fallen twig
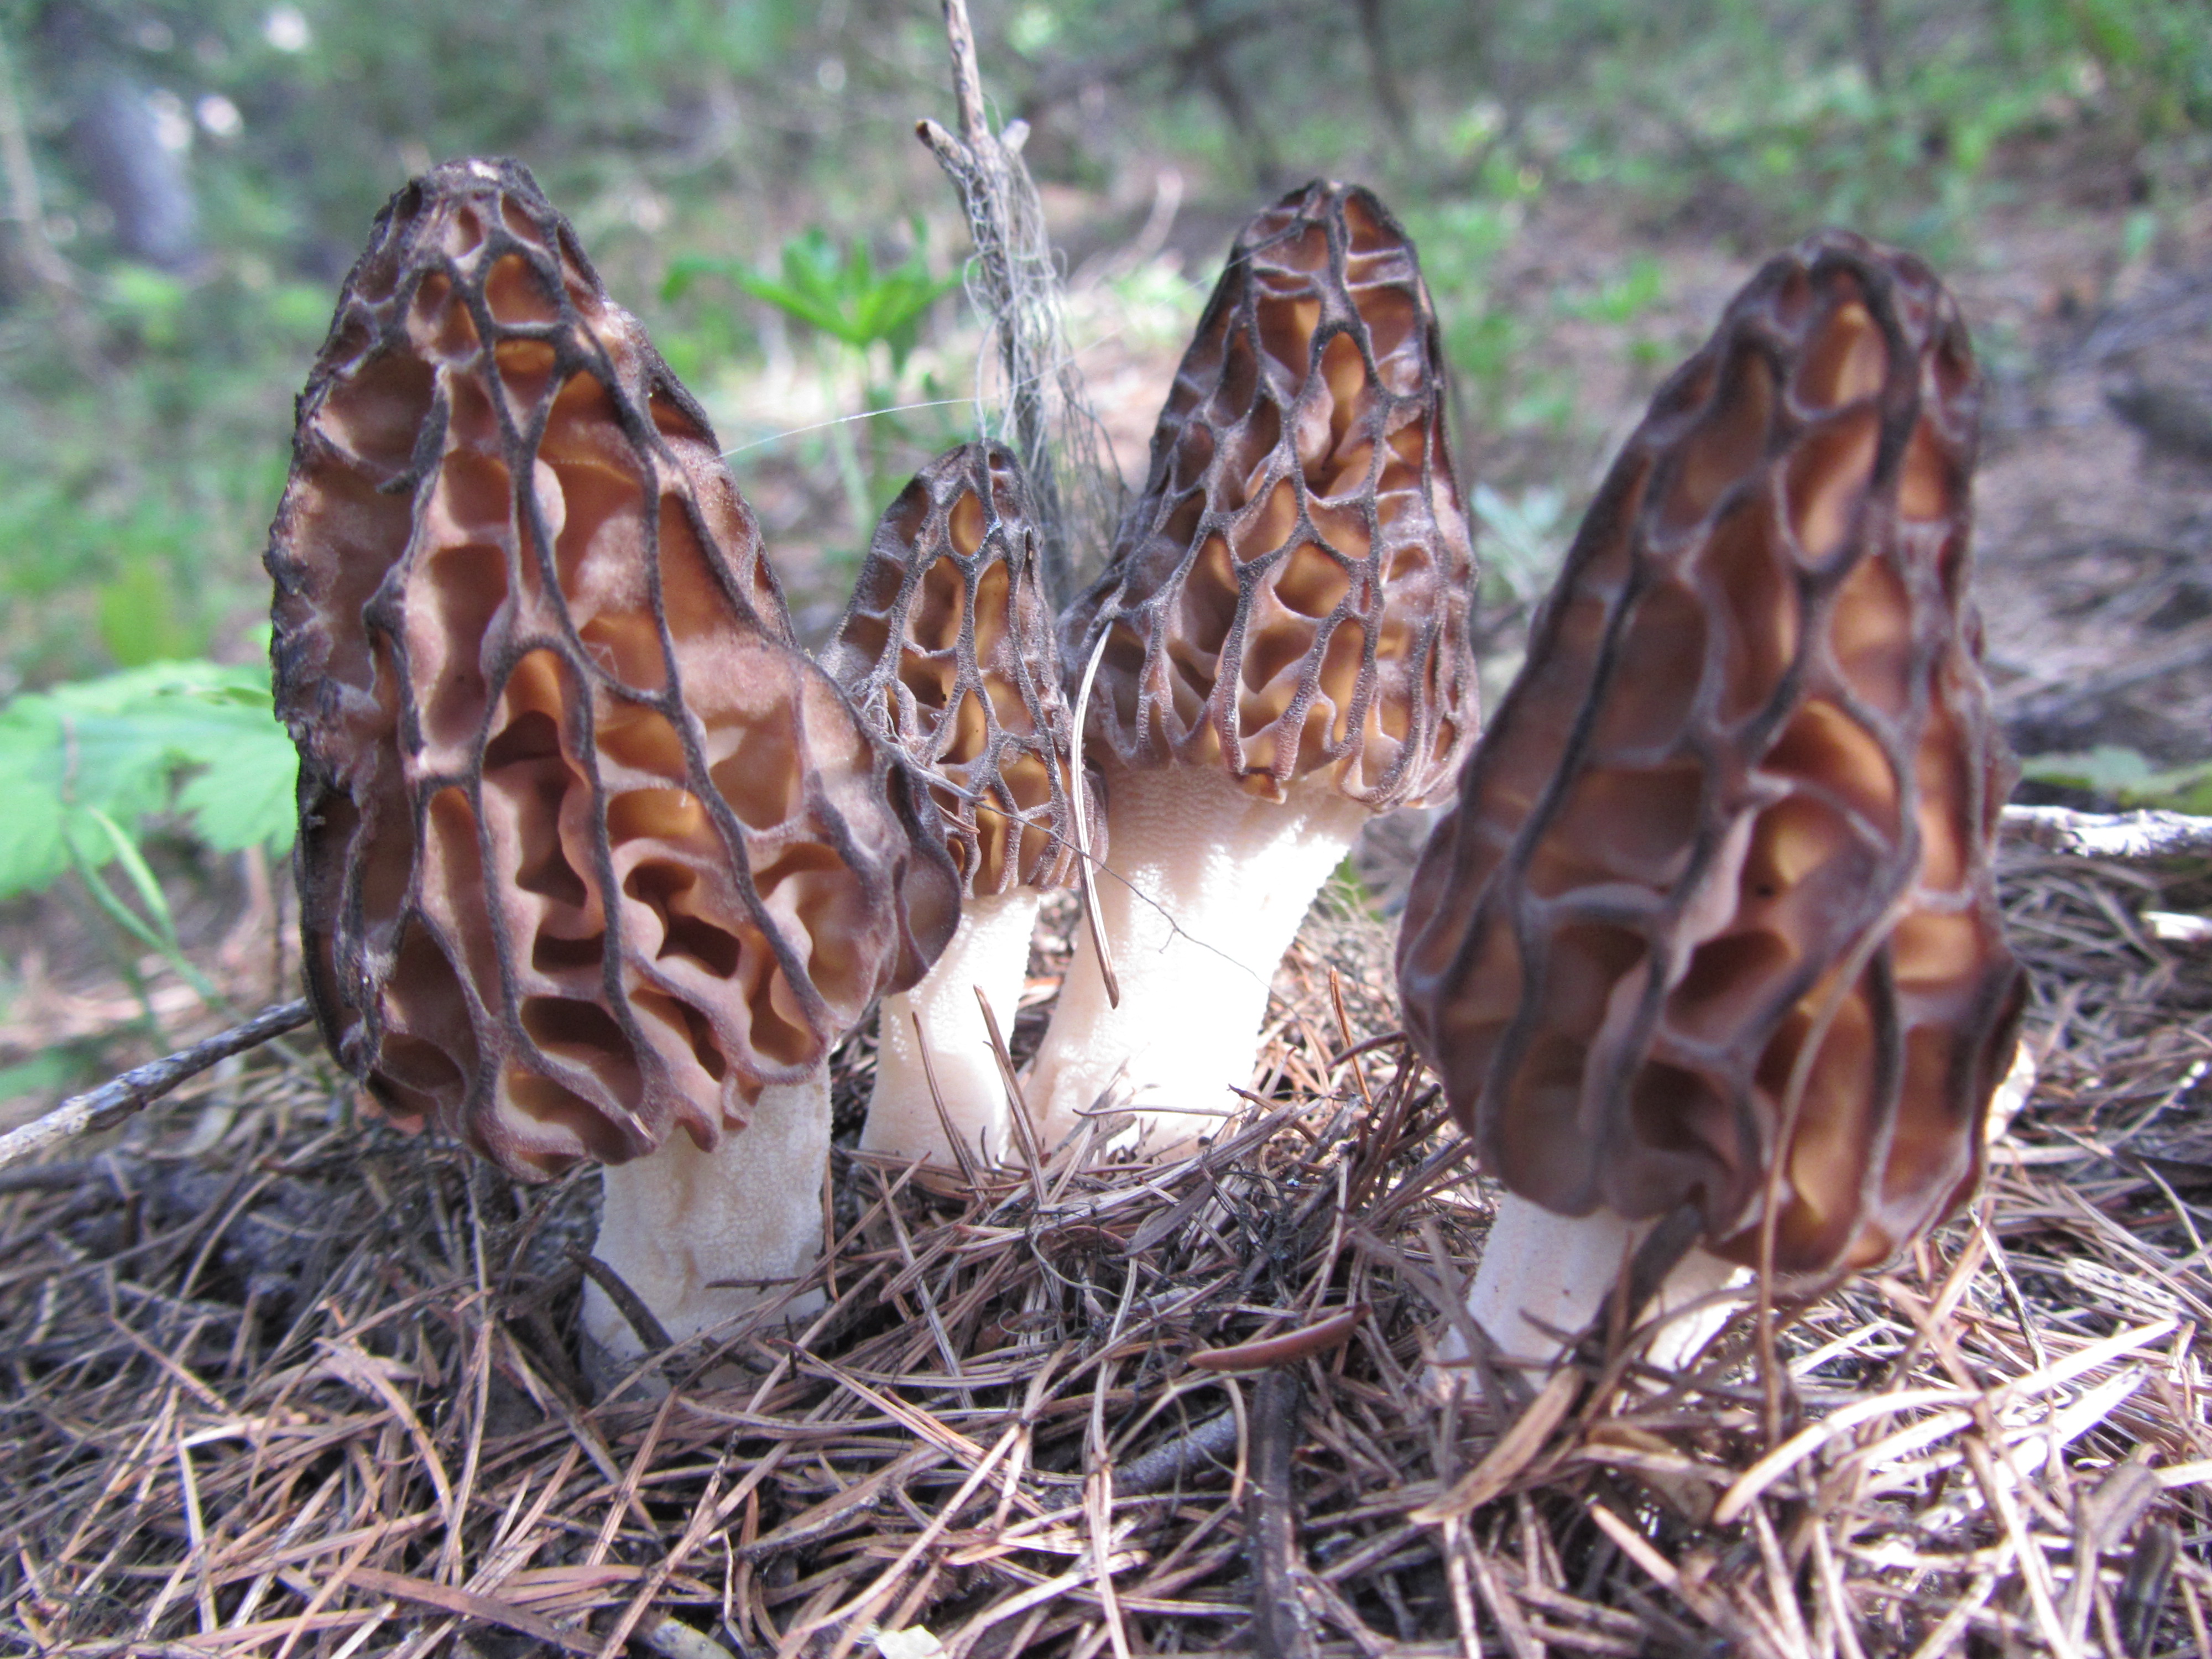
point(112, 1101)
point(2125, 836)
point(1205, 1444)
point(1016, 285)
point(1282, 1627)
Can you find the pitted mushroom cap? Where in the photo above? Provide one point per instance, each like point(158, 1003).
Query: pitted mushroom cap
point(948, 649)
point(588, 849)
point(1290, 595)
point(1726, 843)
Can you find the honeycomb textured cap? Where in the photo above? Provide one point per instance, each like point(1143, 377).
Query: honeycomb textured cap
point(588, 849)
point(1714, 911)
point(948, 649)
point(1289, 597)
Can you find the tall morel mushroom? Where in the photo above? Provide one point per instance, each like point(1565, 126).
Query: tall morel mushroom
point(1712, 923)
point(1285, 638)
point(947, 649)
point(593, 863)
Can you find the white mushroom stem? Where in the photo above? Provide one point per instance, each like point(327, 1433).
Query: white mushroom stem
point(750, 1210)
point(1204, 888)
point(991, 950)
point(1541, 1270)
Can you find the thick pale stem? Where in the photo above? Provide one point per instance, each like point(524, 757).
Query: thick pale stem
point(1542, 1270)
point(750, 1210)
point(990, 950)
point(1204, 889)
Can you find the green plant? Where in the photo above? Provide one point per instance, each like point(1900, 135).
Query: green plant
point(845, 298)
point(842, 294)
point(84, 767)
point(1461, 241)
point(2126, 776)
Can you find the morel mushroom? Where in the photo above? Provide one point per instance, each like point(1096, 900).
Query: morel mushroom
point(590, 852)
point(1712, 923)
point(1284, 629)
point(947, 650)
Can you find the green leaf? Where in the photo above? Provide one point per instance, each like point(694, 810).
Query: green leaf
point(31, 851)
point(118, 747)
point(90, 824)
point(2126, 777)
point(247, 796)
point(2107, 769)
point(842, 296)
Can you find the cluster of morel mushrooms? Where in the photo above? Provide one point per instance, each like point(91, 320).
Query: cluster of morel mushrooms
point(596, 863)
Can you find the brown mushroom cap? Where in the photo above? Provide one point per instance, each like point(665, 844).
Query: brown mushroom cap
point(948, 649)
point(1290, 595)
point(1726, 845)
point(588, 849)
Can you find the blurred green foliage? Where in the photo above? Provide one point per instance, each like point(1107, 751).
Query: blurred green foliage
point(145, 413)
point(83, 767)
point(2126, 777)
point(842, 294)
point(845, 298)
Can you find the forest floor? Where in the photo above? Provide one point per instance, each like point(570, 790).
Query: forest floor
point(281, 1381)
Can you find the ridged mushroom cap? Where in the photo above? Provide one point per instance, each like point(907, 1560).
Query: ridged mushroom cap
point(1715, 906)
point(588, 849)
point(1289, 597)
point(948, 649)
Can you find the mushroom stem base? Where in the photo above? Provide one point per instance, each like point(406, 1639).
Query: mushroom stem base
point(990, 951)
point(1204, 888)
point(750, 1210)
point(1541, 1270)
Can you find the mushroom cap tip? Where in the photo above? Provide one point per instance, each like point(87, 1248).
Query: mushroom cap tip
point(1291, 595)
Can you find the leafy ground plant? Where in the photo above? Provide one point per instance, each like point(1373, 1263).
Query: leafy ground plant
point(83, 767)
point(844, 297)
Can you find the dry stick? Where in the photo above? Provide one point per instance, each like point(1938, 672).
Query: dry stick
point(1344, 1024)
point(1505, 1611)
point(1025, 1126)
point(643, 1324)
point(943, 1337)
point(1281, 1628)
point(1098, 1499)
point(1198, 1448)
point(114, 1101)
point(482, 1609)
point(1015, 287)
point(449, 1553)
point(2127, 837)
point(2142, 1592)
